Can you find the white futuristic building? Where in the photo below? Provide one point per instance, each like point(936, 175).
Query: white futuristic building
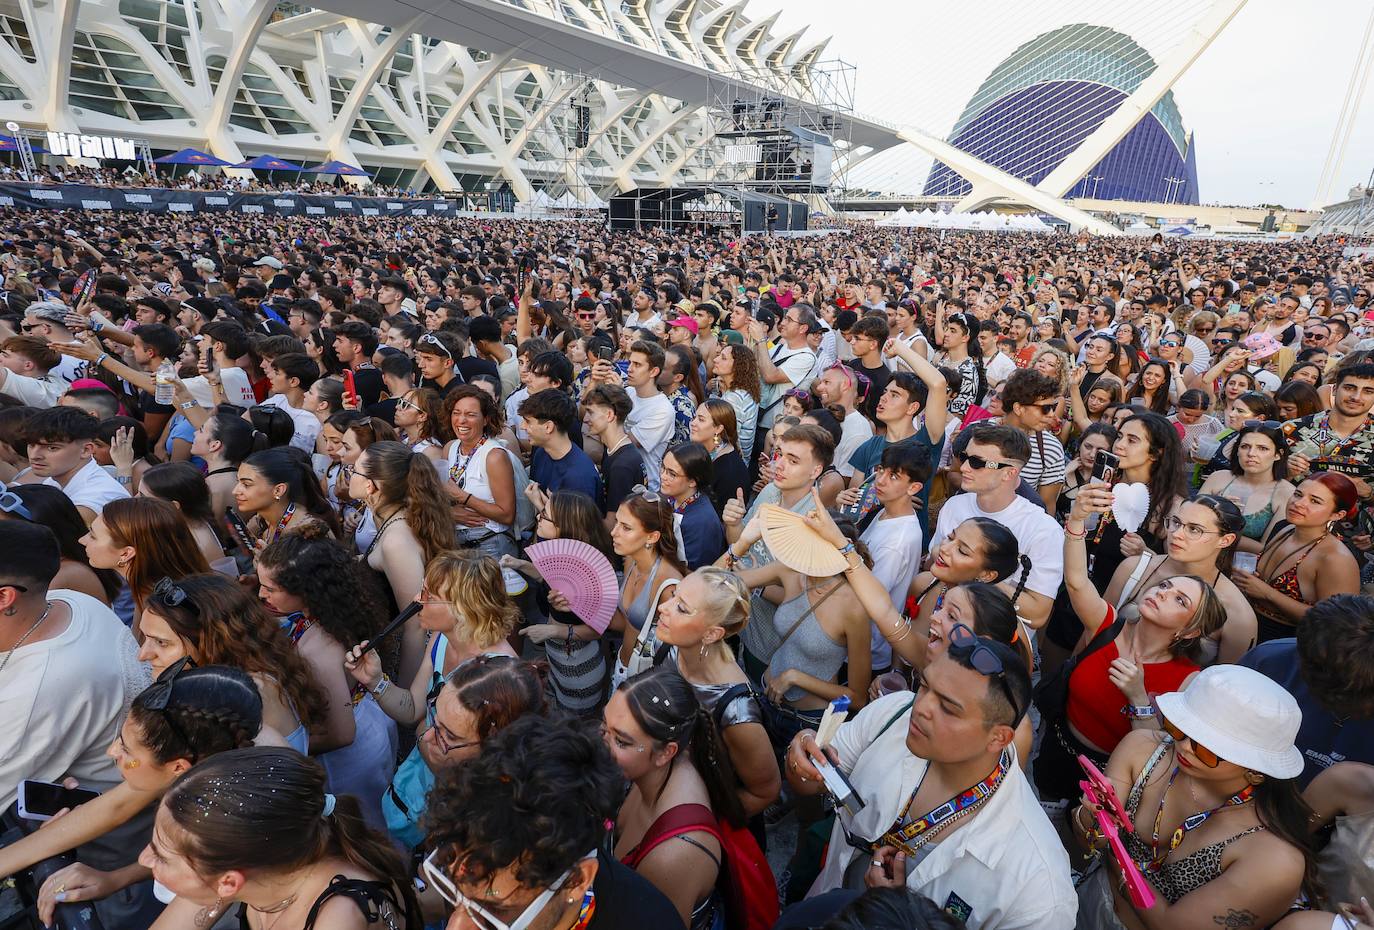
point(476, 92)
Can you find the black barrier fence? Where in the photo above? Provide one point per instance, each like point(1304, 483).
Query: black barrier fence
point(160, 200)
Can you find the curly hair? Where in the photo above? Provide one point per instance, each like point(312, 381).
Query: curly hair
point(208, 710)
point(227, 625)
point(322, 572)
point(536, 800)
point(474, 581)
point(745, 375)
point(493, 414)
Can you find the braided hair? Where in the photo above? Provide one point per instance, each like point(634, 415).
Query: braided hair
point(195, 713)
point(666, 708)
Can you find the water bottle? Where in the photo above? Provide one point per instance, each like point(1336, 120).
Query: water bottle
point(165, 389)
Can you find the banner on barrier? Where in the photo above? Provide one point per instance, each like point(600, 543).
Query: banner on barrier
point(160, 200)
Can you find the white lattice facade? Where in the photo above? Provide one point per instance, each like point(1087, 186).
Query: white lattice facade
point(240, 78)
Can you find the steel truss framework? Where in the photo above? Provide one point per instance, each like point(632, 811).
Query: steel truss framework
point(247, 77)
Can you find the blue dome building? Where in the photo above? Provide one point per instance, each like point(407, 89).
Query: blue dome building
point(1039, 104)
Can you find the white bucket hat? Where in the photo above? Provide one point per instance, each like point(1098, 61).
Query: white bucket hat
point(1241, 715)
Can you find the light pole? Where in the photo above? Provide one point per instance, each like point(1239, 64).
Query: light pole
point(1096, 179)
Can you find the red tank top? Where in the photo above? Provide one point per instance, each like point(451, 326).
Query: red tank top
point(1094, 704)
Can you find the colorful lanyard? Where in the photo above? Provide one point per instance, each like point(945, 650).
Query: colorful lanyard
point(692, 499)
point(285, 519)
point(586, 912)
point(457, 472)
point(903, 831)
point(1190, 823)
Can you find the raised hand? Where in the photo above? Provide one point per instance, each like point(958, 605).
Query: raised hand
point(734, 510)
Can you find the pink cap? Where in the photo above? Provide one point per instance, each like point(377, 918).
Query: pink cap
point(686, 322)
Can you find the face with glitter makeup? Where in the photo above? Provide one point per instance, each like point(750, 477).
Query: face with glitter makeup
point(174, 871)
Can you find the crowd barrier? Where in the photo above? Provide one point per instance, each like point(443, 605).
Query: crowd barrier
point(162, 200)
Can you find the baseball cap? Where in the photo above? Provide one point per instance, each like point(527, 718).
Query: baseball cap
point(267, 261)
point(687, 323)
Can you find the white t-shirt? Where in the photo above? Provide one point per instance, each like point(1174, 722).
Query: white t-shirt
point(71, 368)
point(513, 413)
point(650, 424)
point(854, 432)
point(237, 389)
point(895, 545)
point(797, 364)
point(34, 392)
point(1037, 533)
point(999, 369)
point(62, 700)
point(91, 487)
point(306, 423)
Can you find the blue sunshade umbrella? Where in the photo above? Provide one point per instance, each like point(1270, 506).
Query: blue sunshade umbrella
point(192, 157)
point(269, 163)
point(10, 144)
point(340, 168)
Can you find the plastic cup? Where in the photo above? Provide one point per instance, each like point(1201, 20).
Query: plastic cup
point(1207, 447)
point(1246, 561)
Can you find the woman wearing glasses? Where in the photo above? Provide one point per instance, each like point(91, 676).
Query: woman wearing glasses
point(1117, 667)
point(420, 418)
point(1256, 480)
point(51, 507)
point(686, 481)
point(1218, 827)
point(480, 698)
point(577, 661)
point(213, 620)
point(1301, 562)
point(143, 539)
point(188, 715)
point(254, 830)
point(1200, 539)
point(359, 433)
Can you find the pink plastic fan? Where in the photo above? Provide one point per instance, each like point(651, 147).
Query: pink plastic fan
point(582, 574)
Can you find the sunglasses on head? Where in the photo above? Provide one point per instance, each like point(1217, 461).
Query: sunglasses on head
point(985, 662)
point(429, 339)
point(1204, 755)
point(11, 502)
point(977, 462)
point(170, 594)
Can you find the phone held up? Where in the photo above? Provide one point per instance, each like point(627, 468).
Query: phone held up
point(41, 800)
point(1105, 468)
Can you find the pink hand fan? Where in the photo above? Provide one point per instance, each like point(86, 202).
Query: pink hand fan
point(582, 574)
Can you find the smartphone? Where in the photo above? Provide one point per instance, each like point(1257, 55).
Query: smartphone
point(349, 389)
point(604, 352)
point(1105, 467)
point(240, 529)
point(41, 800)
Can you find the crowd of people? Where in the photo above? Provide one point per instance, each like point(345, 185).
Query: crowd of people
point(193, 178)
point(908, 533)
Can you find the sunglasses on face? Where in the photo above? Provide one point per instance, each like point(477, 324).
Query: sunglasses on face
point(978, 463)
point(1204, 755)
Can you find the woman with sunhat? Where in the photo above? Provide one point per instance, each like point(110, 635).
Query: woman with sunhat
point(1220, 827)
